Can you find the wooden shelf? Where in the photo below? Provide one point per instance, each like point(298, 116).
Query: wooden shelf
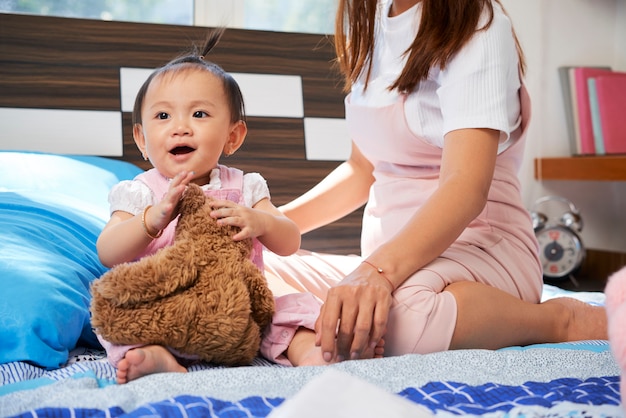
point(595, 168)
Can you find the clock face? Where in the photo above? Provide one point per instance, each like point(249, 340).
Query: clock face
point(560, 251)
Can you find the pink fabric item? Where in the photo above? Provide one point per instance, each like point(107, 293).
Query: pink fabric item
point(115, 352)
point(498, 248)
point(292, 312)
point(615, 292)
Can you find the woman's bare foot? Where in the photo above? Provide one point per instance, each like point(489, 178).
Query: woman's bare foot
point(146, 360)
point(303, 352)
point(585, 321)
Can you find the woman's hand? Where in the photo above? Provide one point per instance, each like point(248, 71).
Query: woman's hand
point(353, 320)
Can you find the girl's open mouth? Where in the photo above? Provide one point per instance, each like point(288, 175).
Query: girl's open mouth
point(181, 150)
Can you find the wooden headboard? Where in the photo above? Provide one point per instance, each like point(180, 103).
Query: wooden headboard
point(74, 64)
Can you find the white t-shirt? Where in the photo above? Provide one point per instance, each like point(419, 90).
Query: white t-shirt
point(133, 196)
point(479, 88)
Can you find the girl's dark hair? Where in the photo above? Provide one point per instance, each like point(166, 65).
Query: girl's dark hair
point(196, 59)
point(445, 27)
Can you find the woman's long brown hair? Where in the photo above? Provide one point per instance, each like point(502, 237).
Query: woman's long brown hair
point(445, 27)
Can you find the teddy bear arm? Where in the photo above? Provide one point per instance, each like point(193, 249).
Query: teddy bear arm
point(261, 297)
point(170, 270)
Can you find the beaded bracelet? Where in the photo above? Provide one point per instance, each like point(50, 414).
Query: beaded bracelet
point(380, 271)
point(145, 228)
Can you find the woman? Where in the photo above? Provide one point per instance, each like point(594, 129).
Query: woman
point(437, 113)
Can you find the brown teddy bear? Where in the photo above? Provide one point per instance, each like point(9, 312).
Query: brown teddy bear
point(201, 296)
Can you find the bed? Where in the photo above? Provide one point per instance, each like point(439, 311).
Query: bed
point(53, 203)
point(52, 208)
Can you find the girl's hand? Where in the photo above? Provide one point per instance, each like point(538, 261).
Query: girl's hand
point(122, 240)
point(353, 320)
point(251, 222)
point(161, 214)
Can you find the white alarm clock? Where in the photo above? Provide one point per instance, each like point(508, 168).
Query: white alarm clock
point(561, 250)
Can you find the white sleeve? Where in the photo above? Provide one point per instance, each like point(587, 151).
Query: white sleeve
point(479, 87)
point(130, 196)
point(254, 189)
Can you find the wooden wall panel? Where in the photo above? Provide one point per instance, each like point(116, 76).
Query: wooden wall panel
point(28, 84)
point(79, 46)
point(281, 138)
point(49, 62)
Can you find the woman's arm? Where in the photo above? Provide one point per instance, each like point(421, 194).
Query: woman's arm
point(344, 190)
point(355, 313)
point(341, 192)
point(467, 169)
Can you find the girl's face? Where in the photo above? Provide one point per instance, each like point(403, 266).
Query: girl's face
point(187, 124)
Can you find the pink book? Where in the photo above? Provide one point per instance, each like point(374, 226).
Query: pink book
point(611, 93)
point(585, 124)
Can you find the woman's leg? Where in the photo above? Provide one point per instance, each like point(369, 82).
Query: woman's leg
point(307, 271)
point(491, 318)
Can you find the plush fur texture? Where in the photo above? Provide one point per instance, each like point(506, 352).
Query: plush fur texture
point(201, 296)
point(616, 313)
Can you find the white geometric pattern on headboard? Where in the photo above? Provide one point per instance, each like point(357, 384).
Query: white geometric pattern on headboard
point(92, 132)
point(62, 131)
point(267, 95)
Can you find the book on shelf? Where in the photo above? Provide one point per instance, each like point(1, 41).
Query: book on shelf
point(594, 107)
point(610, 92)
point(566, 91)
point(574, 107)
point(571, 97)
point(591, 115)
point(581, 75)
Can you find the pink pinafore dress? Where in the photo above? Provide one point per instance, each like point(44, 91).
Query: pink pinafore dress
point(498, 248)
point(232, 189)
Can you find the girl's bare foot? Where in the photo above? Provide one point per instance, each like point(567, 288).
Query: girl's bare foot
point(146, 360)
point(585, 321)
point(303, 352)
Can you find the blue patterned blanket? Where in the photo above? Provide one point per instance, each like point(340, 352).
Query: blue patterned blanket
point(567, 380)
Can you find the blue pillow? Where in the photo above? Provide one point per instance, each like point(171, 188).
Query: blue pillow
point(52, 208)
